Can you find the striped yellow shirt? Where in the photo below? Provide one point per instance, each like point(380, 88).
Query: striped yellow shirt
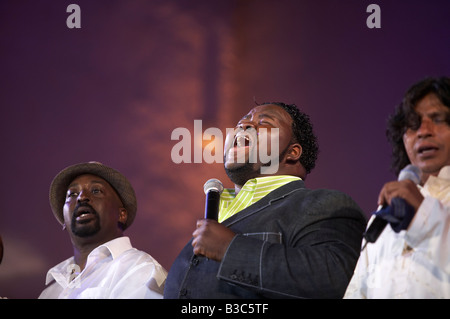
point(252, 191)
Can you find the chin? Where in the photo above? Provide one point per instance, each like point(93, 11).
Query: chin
point(431, 168)
point(241, 173)
point(85, 230)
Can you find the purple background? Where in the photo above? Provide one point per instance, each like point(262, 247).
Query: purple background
point(114, 90)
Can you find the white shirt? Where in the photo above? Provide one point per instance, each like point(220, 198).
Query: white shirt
point(413, 263)
point(113, 270)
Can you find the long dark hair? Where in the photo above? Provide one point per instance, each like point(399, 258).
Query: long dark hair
point(405, 117)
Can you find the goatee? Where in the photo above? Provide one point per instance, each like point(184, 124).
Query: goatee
point(87, 229)
point(240, 175)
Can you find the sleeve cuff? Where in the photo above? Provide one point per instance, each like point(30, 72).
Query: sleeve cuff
point(238, 266)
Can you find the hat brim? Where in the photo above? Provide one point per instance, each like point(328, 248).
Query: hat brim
point(119, 182)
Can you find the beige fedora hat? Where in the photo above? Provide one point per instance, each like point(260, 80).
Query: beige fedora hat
point(60, 184)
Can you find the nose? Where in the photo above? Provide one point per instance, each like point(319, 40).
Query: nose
point(83, 196)
point(246, 124)
point(426, 128)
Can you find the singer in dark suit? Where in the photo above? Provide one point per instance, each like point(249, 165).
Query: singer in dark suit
point(279, 240)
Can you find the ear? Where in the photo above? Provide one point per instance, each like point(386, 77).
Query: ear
point(294, 153)
point(123, 216)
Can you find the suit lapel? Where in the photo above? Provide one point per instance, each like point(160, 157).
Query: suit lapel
point(264, 202)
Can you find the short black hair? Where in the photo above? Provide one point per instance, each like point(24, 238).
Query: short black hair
point(302, 130)
point(405, 117)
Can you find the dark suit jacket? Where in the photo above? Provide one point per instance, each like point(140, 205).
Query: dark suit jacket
point(293, 243)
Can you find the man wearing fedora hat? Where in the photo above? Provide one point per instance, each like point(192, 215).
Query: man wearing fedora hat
point(96, 203)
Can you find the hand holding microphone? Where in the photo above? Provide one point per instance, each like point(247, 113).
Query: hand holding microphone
point(405, 188)
point(211, 239)
point(398, 202)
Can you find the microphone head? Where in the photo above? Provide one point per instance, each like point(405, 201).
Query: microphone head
point(213, 185)
point(410, 172)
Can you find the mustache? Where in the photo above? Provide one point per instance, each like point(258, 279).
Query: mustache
point(81, 208)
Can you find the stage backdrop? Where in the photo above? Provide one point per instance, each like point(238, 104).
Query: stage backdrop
point(111, 81)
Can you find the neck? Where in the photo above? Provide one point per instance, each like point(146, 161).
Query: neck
point(299, 171)
point(426, 173)
point(80, 254)
point(82, 249)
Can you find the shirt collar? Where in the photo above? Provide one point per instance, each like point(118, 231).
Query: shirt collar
point(251, 192)
point(252, 184)
point(113, 248)
point(439, 186)
point(444, 172)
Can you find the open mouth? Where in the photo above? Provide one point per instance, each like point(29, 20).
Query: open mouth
point(242, 140)
point(427, 150)
point(84, 213)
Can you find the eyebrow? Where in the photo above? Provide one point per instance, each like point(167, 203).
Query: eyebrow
point(260, 116)
point(91, 182)
point(437, 113)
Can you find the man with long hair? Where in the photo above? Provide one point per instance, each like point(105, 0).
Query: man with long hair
point(413, 261)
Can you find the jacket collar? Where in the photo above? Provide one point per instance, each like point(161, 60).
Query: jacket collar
point(266, 201)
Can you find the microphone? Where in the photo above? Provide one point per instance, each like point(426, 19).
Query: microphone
point(385, 214)
point(213, 188)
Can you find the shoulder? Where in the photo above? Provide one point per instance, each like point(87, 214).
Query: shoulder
point(325, 202)
point(134, 255)
point(295, 193)
point(137, 263)
point(131, 257)
point(321, 196)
